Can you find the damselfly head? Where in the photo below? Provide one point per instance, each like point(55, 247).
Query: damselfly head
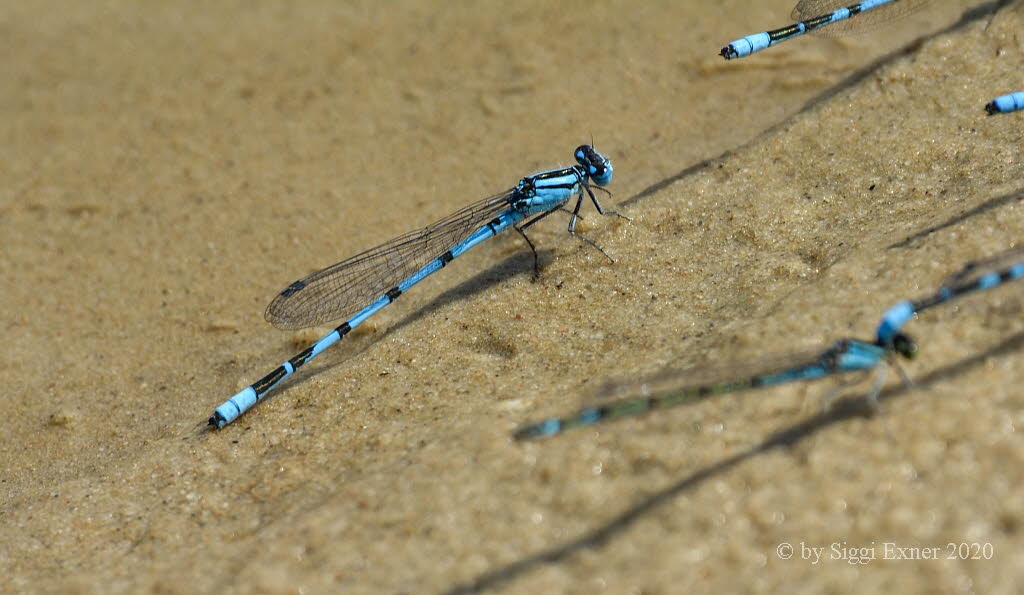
point(904, 345)
point(597, 166)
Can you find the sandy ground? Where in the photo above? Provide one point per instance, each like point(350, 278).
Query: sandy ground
point(168, 167)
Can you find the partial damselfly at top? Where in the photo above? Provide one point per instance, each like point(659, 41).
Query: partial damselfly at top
point(827, 17)
point(1006, 104)
point(359, 287)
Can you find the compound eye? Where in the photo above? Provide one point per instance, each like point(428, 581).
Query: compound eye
point(596, 166)
point(905, 345)
point(583, 155)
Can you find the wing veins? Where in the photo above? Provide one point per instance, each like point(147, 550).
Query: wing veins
point(348, 286)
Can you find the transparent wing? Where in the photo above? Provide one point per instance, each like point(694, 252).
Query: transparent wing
point(635, 397)
point(862, 23)
point(349, 286)
point(715, 379)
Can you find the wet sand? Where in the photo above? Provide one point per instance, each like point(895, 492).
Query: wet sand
point(169, 167)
